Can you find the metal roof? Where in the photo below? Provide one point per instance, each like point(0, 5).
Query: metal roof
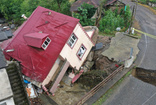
point(35, 39)
point(36, 63)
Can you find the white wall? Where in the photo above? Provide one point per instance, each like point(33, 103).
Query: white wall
point(51, 73)
point(70, 54)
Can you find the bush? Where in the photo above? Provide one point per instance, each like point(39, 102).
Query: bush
point(85, 12)
point(143, 1)
point(13, 9)
point(112, 20)
point(107, 31)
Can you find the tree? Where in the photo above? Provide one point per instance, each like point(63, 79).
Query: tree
point(10, 8)
point(13, 9)
point(110, 22)
point(85, 12)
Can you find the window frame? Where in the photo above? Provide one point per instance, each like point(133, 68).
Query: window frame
point(79, 50)
point(45, 44)
point(70, 39)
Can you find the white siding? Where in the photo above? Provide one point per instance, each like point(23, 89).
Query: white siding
point(70, 53)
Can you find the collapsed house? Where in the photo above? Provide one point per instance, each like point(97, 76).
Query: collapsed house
point(46, 45)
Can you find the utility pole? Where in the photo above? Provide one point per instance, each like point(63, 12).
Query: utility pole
point(131, 20)
point(136, 5)
point(133, 15)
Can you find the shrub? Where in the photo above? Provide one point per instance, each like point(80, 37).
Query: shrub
point(85, 12)
point(112, 20)
point(13, 9)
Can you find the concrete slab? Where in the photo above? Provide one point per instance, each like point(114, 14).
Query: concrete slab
point(9, 101)
point(5, 87)
point(120, 47)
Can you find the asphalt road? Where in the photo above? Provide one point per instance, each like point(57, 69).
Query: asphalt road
point(133, 92)
point(147, 55)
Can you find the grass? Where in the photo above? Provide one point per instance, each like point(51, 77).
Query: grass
point(110, 91)
point(154, 8)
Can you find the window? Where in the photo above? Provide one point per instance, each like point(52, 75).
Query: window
point(81, 52)
point(72, 40)
point(46, 43)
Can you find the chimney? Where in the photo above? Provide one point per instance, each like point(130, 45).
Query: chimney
point(23, 15)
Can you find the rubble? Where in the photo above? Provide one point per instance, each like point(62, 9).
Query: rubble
point(36, 101)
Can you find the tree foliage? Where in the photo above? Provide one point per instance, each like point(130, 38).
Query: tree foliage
point(85, 12)
point(13, 9)
point(112, 20)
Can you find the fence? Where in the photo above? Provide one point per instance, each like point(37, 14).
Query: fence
point(99, 86)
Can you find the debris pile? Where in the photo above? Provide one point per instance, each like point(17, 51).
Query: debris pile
point(6, 30)
point(92, 78)
point(36, 101)
point(97, 67)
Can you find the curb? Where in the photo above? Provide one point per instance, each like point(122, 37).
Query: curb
point(132, 36)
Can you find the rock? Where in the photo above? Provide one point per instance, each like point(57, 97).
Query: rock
point(88, 65)
point(90, 56)
point(85, 69)
point(67, 80)
point(12, 26)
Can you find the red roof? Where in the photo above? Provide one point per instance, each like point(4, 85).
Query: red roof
point(36, 63)
point(35, 39)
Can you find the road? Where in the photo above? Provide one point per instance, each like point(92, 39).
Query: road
point(147, 55)
point(133, 92)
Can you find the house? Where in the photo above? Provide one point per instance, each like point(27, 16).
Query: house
point(5, 33)
point(6, 94)
point(46, 45)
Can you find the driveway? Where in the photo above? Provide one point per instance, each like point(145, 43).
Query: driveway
point(147, 55)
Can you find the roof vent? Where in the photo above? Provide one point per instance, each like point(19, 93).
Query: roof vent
point(49, 13)
point(23, 16)
point(11, 50)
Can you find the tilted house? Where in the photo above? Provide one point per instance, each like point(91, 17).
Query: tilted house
point(47, 44)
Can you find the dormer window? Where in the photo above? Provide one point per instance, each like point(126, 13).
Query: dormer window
point(72, 40)
point(46, 43)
